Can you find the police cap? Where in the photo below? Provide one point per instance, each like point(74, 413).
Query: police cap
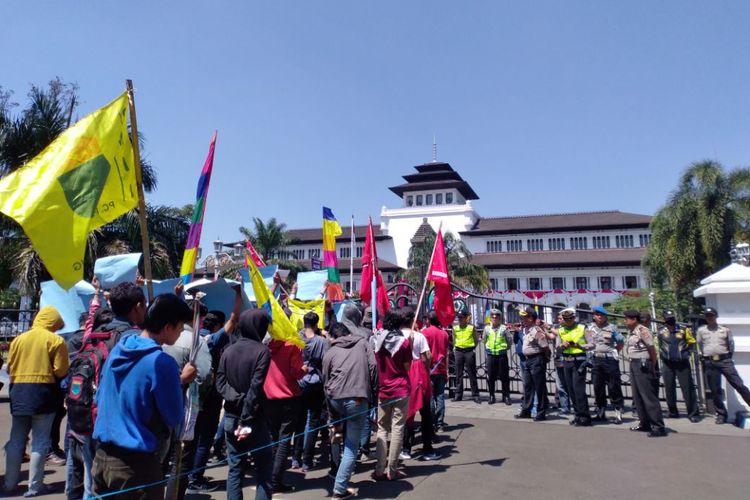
point(528, 311)
point(710, 311)
point(568, 313)
point(668, 313)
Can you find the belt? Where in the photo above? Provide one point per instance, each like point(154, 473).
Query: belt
point(532, 355)
point(604, 355)
point(574, 358)
point(717, 357)
point(499, 353)
point(466, 349)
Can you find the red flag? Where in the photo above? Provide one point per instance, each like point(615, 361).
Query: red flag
point(438, 274)
point(370, 270)
point(252, 254)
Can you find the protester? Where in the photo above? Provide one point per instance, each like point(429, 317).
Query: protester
point(240, 378)
point(129, 306)
point(438, 340)
point(140, 404)
point(37, 360)
point(349, 372)
point(393, 358)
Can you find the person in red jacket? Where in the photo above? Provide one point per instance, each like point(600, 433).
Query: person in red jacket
point(284, 403)
point(438, 340)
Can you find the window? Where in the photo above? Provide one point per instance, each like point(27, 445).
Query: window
point(360, 251)
point(313, 253)
point(493, 283)
point(644, 239)
point(582, 282)
point(448, 198)
point(419, 200)
point(410, 201)
point(439, 199)
point(513, 245)
point(345, 252)
point(558, 283)
point(297, 253)
point(605, 283)
point(556, 243)
point(428, 199)
point(535, 283)
point(512, 283)
point(389, 278)
point(494, 246)
point(630, 282)
point(624, 241)
point(600, 241)
point(579, 243)
point(535, 245)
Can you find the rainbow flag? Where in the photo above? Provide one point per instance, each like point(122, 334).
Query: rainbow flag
point(194, 237)
point(331, 229)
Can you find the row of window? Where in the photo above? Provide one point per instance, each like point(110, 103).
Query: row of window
point(561, 283)
point(576, 243)
point(315, 253)
point(429, 199)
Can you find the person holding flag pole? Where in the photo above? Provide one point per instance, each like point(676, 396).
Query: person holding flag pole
point(372, 289)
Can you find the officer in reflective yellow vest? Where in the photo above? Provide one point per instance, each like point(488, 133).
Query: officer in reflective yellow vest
point(676, 346)
point(496, 347)
point(465, 340)
point(574, 345)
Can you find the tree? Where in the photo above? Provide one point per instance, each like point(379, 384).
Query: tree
point(462, 271)
point(269, 238)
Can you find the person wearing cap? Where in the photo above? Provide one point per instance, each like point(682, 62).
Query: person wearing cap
point(716, 345)
point(605, 369)
point(639, 349)
point(496, 347)
point(535, 346)
point(676, 345)
point(465, 339)
point(574, 345)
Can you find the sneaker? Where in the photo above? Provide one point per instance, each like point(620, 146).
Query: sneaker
point(349, 493)
point(404, 455)
point(720, 419)
point(54, 460)
point(507, 401)
point(618, 417)
point(200, 486)
point(695, 419)
point(433, 455)
point(295, 464)
point(305, 468)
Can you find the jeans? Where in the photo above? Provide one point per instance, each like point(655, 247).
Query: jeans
point(40, 427)
point(562, 391)
point(438, 399)
point(80, 460)
point(355, 412)
point(364, 440)
point(306, 433)
point(259, 440)
point(282, 417)
point(391, 420)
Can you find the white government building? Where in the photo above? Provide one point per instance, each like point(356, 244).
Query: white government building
point(568, 259)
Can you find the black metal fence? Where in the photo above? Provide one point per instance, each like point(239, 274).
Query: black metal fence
point(13, 322)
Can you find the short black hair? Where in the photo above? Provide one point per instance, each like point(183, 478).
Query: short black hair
point(338, 330)
point(311, 320)
point(392, 319)
point(407, 317)
point(432, 319)
point(166, 309)
point(632, 314)
point(102, 317)
point(214, 319)
point(124, 297)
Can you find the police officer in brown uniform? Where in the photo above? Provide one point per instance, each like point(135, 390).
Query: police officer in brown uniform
point(717, 347)
point(675, 348)
point(535, 348)
point(639, 349)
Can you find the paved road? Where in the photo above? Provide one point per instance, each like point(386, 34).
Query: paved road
point(488, 455)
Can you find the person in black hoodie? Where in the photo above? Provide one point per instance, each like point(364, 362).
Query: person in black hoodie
point(239, 379)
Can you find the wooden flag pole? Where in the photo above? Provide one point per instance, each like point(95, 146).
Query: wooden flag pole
point(424, 284)
point(141, 197)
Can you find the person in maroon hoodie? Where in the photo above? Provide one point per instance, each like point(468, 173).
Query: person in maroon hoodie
point(284, 403)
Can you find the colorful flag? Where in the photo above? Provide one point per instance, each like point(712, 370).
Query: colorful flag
point(331, 229)
point(370, 271)
point(252, 254)
point(280, 327)
point(83, 180)
point(438, 274)
point(194, 236)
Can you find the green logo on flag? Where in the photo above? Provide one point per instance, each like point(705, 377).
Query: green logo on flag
point(83, 186)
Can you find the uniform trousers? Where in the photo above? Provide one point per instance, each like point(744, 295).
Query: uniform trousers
point(671, 373)
point(497, 368)
point(536, 368)
point(575, 382)
point(605, 374)
point(645, 398)
point(714, 371)
point(466, 361)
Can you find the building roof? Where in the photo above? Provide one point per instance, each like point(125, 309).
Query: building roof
point(564, 258)
point(613, 219)
point(436, 175)
point(315, 234)
point(422, 231)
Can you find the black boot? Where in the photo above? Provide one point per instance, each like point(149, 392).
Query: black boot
point(492, 400)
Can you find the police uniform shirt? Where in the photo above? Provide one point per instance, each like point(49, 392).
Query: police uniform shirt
point(534, 340)
point(715, 342)
point(605, 339)
point(638, 342)
point(675, 346)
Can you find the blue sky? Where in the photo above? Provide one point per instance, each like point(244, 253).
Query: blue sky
point(542, 106)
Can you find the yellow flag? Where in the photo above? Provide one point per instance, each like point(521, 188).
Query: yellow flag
point(83, 180)
point(280, 327)
point(300, 307)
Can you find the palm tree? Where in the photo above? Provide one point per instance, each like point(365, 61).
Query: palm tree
point(269, 238)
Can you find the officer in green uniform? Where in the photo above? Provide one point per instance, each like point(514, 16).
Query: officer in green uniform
point(496, 347)
point(574, 345)
point(676, 345)
point(465, 339)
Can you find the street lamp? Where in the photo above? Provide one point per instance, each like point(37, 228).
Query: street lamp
point(218, 245)
point(740, 254)
point(238, 250)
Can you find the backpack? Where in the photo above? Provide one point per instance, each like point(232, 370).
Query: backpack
point(84, 373)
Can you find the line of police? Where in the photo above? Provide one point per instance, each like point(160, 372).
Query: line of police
point(576, 348)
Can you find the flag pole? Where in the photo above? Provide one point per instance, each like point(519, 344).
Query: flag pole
point(141, 197)
point(351, 261)
point(374, 280)
point(424, 284)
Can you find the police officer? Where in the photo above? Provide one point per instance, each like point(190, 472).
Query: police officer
point(639, 349)
point(535, 348)
point(605, 369)
point(676, 345)
point(496, 347)
point(465, 339)
point(574, 345)
point(717, 347)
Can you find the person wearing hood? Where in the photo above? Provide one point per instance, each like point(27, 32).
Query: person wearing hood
point(140, 403)
point(349, 375)
point(37, 360)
